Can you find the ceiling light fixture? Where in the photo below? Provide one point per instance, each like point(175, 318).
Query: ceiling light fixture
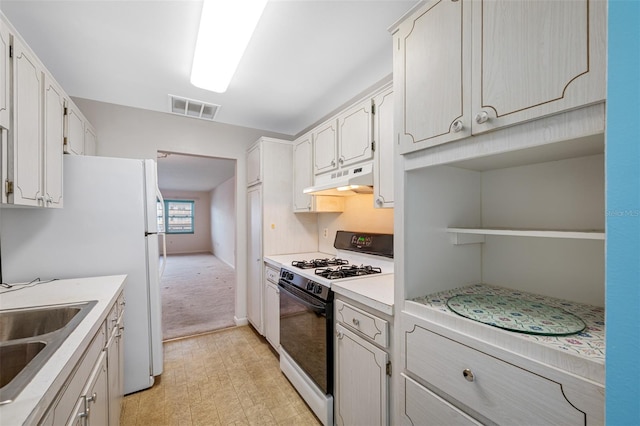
point(225, 29)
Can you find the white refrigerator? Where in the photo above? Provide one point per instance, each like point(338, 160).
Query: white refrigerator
point(108, 226)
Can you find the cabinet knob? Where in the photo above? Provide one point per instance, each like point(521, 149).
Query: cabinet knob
point(457, 126)
point(356, 322)
point(333, 162)
point(92, 398)
point(339, 334)
point(468, 375)
point(341, 160)
point(482, 117)
point(379, 201)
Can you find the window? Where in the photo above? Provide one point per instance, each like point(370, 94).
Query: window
point(178, 217)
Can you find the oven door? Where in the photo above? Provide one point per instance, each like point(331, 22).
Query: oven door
point(306, 325)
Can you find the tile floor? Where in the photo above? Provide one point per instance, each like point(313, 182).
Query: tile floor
point(228, 377)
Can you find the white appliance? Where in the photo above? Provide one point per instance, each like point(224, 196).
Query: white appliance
point(108, 226)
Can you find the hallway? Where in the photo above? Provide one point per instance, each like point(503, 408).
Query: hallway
point(198, 293)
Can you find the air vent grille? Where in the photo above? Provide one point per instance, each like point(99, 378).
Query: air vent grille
point(192, 108)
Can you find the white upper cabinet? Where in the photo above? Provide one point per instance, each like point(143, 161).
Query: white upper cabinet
point(74, 141)
point(524, 70)
point(90, 140)
point(383, 136)
point(325, 142)
point(463, 68)
point(5, 77)
point(355, 134)
point(432, 75)
point(26, 146)
point(254, 165)
point(302, 173)
point(54, 101)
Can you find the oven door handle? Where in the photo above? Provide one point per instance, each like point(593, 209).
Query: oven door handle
point(301, 300)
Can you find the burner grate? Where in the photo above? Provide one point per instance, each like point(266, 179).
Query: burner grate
point(318, 263)
point(347, 271)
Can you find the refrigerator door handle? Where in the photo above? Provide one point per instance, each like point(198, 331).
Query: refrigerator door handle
point(163, 233)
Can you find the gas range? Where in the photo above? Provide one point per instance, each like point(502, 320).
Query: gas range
point(358, 256)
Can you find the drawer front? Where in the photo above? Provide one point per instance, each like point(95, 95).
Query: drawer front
point(423, 407)
point(271, 275)
point(367, 324)
point(503, 392)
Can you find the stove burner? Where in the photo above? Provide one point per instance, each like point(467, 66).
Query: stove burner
point(347, 271)
point(318, 263)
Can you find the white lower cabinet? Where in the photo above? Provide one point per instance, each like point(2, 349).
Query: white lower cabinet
point(89, 396)
point(254, 257)
point(272, 307)
point(481, 384)
point(423, 407)
point(362, 367)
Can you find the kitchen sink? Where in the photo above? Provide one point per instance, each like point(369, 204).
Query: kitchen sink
point(31, 322)
point(28, 338)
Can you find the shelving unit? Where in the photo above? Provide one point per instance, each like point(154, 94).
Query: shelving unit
point(476, 235)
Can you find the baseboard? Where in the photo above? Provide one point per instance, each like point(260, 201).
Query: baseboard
point(240, 321)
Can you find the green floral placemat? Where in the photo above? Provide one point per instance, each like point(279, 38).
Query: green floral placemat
point(514, 314)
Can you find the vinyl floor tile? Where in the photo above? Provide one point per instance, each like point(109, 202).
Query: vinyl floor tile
point(228, 377)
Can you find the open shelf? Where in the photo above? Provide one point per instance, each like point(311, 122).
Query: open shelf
point(476, 235)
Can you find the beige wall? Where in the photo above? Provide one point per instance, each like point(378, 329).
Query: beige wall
point(358, 215)
point(137, 133)
point(200, 240)
point(223, 220)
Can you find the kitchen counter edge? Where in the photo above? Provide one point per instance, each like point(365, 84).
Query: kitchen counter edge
point(34, 400)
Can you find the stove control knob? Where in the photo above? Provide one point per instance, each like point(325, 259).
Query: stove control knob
point(317, 289)
point(310, 285)
point(288, 275)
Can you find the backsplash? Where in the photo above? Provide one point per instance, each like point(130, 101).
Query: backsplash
point(359, 215)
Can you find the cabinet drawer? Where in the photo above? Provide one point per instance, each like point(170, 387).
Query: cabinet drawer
point(498, 390)
point(271, 274)
point(367, 324)
point(424, 407)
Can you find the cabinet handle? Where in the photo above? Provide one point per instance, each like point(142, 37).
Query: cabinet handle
point(379, 201)
point(457, 126)
point(482, 117)
point(92, 398)
point(356, 322)
point(341, 160)
point(339, 334)
point(468, 375)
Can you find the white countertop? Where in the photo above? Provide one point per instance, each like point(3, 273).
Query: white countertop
point(35, 398)
point(373, 291)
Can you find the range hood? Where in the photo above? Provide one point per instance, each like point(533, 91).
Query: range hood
point(344, 182)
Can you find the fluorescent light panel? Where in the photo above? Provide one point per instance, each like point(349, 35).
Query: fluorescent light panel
point(225, 29)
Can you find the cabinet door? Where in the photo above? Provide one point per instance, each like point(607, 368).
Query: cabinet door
point(53, 142)
point(254, 165)
point(96, 394)
point(272, 315)
point(254, 257)
point(302, 173)
point(361, 381)
point(90, 140)
point(432, 75)
point(325, 147)
point(115, 374)
point(355, 134)
point(5, 79)
point(74, 143)
point(27, 152)
point(384, 141)
point(532, 59)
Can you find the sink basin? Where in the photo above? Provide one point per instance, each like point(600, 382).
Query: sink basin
point(28, 338)
point(31, 322)
point(16, 357)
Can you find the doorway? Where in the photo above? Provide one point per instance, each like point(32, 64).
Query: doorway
point(198, 286)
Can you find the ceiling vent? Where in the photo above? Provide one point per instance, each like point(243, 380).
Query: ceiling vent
point(192, 108)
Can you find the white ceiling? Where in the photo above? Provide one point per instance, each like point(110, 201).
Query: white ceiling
point(306, 58)
point(178, 172)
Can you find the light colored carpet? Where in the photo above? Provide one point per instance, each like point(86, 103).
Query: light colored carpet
point(198, 293)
